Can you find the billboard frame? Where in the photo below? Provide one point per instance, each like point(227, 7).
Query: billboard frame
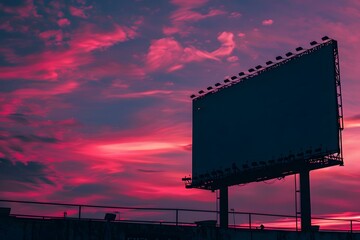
point(289, 165)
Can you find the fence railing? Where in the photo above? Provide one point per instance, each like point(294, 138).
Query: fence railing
point(172, 216)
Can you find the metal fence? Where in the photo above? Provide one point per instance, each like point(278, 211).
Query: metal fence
point(172, 216)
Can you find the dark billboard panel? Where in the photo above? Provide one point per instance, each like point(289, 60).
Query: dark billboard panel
point(290, 109)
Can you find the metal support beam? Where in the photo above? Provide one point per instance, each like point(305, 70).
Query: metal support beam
point(224, 207)
point(305, 202)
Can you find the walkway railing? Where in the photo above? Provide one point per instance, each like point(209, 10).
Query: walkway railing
point(171, 216)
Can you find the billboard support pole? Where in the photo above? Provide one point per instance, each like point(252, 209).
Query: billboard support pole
point(305, 202)
point(224, 207)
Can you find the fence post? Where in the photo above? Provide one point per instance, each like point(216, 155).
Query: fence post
point(79, 211)
point(351, 226)
point(249, 220)
point(177, 216)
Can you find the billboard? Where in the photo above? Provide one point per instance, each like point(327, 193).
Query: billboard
point(282, 115)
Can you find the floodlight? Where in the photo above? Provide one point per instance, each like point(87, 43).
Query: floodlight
point(241, 74)
point(217, 84)
point(233, 77)
point(258, 67)
point(269, 62)
point(209, 88)
point(226, 80)
point(251, 70)
point(324, 38)
point(313, 43)
point(278, 58)
point(201, 92)
point(299, 49)
point(192, 96)
point(288, 54)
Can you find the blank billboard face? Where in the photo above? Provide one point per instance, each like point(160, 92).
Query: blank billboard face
point(289, 109)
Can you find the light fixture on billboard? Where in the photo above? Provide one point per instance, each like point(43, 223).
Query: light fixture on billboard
point(269, 62)
point(201, 92)
point(251, 70)
point(258, 67)
point(324, 38)
point(226, 80)
point(278, 58)
point(241, 74)
point(217, 84)
point(299, 49)
point(313, 43)
point(192, 96)
point(209, 88)
point(233, 77)
point(288, 54)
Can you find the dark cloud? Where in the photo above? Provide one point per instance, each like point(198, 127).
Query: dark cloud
point(19, 118)
point(36, 138)
point(16, 148)
point(30, 172)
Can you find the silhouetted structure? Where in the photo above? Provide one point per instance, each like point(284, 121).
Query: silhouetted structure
point(274, 121)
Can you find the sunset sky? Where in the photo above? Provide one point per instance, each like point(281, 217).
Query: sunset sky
point(95, 106)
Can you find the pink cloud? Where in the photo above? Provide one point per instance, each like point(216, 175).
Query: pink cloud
point(114, 69)
point(352, 122)
point(50, 65)
point(169, 54)
point(89, 38)
point(227, 44)
point(182, 15)
point(189, 3)
point(52, 37)
point(149, 93)
point(58, 89)
point(186, 14)
point(77, 12)
point(235, 15)
point(267, 22)
point(163, 53)
point(44, 66)
point(63, 22)
point(6, 26)
point(24, 11)
point(232, 59)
